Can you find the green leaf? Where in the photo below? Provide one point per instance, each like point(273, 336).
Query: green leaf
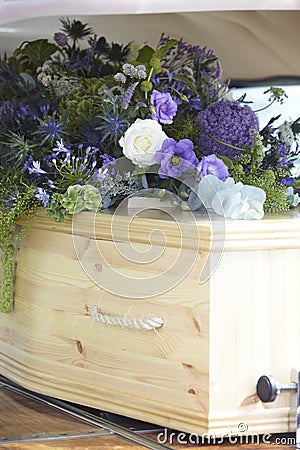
point(39, 51)
point(28, 80)
point(185, 80)
point(145, 54)
point(209, 61)
point(226, 161)
point(161, 53)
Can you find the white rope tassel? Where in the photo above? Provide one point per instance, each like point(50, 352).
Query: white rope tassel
point(148, 323)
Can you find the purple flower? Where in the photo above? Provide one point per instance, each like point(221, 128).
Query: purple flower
point(195, 103)
point(107, 159)
point(229, 122)
point(36, 168)
point(212, 165)
point(287, 181)
point(60, 148)
point(128, 95)
point(7, 108)
point(175, 157)
point(281, 150)
point(60, 38)
point(164, 105)
point(185, 59)
point(42, 196)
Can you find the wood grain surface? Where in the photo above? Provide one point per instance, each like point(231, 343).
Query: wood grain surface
point(22, 416)
point(198, 372)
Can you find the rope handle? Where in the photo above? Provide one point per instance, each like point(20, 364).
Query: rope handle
point(139, 323)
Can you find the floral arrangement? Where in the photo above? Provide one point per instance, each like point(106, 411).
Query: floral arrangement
point(73, 108)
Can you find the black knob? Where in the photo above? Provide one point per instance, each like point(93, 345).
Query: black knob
point(267, 389)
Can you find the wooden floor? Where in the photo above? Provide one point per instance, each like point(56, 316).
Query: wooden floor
point(22, 418)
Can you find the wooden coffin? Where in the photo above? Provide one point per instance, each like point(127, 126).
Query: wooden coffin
point(187, 349)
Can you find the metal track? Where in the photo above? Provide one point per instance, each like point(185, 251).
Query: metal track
point(80, 414)
point(52, 436)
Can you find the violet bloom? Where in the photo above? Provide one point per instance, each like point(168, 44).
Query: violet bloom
point(36, 168)
point(228, 122)
point(107, 159)
point(175, 157)
point(287, 181)
point(164, 105)
point(43, 196)
point(7, 109)
point(60, 148)
point(60, 38)
point(212, 165)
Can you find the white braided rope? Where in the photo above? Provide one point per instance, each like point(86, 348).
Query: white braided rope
point(148, 323)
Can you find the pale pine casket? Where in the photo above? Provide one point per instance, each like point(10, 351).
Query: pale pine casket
point(216, 312)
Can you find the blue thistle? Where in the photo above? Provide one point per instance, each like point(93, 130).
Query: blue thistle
point(112, 128)
point(50, 130)
point(89, 135)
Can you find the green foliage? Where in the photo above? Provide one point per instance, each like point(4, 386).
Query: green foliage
point(276, 94)
point(55, 210)
point(183, 128)
point(16, 150)
point(276, 199)
point(25, 205)
point(276, 193)
point(82, 102)
point(248, 169)
point(152, 58)
point(144, 55)
point(297, 184)
point(162, 51)
point(146, 86)
point(77, 198)
point(235, 169)
point(31, 55)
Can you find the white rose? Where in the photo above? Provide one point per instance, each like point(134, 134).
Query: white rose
point(142, 140)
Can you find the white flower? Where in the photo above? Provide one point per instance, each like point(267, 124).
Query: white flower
point(226, 94)
point(120, 77)
point(209, 186)
point(36, 168)
point(60, 147)
point(286, 133)
point(292, 198)
point(129, 70)
point(142, 140)
point(141, 72)
point(232, 200)
point(240, 202)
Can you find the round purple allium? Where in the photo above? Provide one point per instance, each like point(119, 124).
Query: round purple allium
point(175, 157)
point(60, 38)
point(212, 165)
point(229, 122)
point(164, 105)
